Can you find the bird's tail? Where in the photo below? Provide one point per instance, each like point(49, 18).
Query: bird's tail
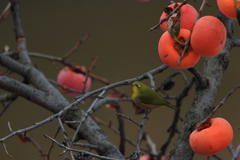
point(172, 106)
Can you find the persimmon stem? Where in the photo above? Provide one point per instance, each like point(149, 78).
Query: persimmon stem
point(169, 15)
point(218, 106)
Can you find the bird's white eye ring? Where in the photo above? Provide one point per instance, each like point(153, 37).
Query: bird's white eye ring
point(138, 85)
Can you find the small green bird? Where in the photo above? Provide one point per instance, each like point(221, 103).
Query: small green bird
point(146, 98)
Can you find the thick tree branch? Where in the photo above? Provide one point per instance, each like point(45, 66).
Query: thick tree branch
point(213, 70)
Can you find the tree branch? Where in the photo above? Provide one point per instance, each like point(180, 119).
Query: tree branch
point(213, 70)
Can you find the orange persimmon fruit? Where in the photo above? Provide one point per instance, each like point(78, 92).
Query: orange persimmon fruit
point(170, 51)
point(228, 7)
point(73, 80)
point(188, 16)
point(145, 157)
point(208, 36)
point(211, 138)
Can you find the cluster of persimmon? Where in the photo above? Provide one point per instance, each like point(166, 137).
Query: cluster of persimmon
point(207, 37)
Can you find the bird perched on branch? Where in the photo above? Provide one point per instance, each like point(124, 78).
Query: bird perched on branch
point(148, 99)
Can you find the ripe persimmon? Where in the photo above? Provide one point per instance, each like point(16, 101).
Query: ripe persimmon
point(145, 157)
point(188, 16)
point(228, 7)
point(170, 51)
point(212, 137)
point(73, 80)
point(208, 36)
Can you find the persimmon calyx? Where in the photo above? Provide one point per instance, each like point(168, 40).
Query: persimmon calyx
point(201, 126)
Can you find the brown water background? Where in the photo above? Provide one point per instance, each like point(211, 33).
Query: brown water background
point(120, 37)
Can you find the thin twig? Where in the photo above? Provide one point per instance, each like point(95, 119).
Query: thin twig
point(75, 48)
point(52, 144)
point(9, 127)
point(120, 114)
point(5, 149)
point(151, 145)
point(27, 138)
point(151, 79)
point(236, 154)
point(100, 122)
point(217, 157)
point(65, 87)
point(169, 15)
point(92, 66)
point(63, 129)
point(173, 128)
point(6, 107)
point(219, 105)
point(140, 134)
point(5, 12)
point(79, 151)
point(231, 149)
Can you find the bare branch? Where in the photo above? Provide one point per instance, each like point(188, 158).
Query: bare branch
point(217, 157)
point(75, 48)
point(52, 144)
point(100, 122)
point(152, 83)
point(219, 105)
point(19, 33)
point(140, 134)
point(5, 12)
point(236, 155)
point(231, 149)
point(166, 18)
point(80, 151)
point(119, 114)
point(5, 149)
point(236, 43)
point(13, 97)
point(201, 80)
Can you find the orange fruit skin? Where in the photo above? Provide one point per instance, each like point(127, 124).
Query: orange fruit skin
point(208, 36)
point(145, 157)
point(212, 139)
point(170, 56)
point(67, 77)
point(227, 7)
point(189, 15)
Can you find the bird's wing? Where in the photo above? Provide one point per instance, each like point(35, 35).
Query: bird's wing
point(155, 99)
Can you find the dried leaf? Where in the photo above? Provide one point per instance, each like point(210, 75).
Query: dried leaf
point(174, 26)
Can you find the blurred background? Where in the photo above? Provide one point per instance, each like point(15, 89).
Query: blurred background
point(120, 37)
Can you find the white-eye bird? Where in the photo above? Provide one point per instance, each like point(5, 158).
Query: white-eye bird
point(148, 99)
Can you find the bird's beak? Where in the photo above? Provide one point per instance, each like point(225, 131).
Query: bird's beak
point(132, 85)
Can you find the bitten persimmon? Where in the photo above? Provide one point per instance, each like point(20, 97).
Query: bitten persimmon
point(67, 77)
point(212, 137)
point(208, 36)
point(228, 7)
point(188, 16)
point(169, 51)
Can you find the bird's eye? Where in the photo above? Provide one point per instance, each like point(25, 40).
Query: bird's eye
point(138, 85)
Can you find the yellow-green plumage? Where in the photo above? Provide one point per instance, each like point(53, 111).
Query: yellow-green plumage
point(146, 98)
